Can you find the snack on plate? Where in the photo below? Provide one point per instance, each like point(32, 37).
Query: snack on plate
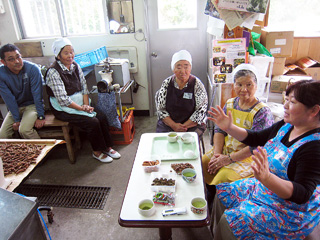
point(151, 166)
point(163, 182)
point(179, 167)
point(150, 163)
point(164, 198)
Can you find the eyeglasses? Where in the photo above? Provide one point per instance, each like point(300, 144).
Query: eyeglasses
point(13, 59)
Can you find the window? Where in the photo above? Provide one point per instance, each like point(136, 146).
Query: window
point(49, 18)
point(177, 14)
point(120, 14)
point(300, 16)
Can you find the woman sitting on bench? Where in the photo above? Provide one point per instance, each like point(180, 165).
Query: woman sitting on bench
point(69, 100)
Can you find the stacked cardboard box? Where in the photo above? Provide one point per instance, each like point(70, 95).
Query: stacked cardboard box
point(279, 43)
point(310, 66)
point(280, 83)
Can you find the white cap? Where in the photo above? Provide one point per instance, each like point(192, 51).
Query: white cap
point(181, 55)
point(246, 66)
point(59, 44)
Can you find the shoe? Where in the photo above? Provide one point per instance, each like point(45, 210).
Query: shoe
point(113, 153)
point(107, 159)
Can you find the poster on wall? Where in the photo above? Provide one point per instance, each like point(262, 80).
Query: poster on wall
point(231, 18)
point(227, 54)
point(255, 6)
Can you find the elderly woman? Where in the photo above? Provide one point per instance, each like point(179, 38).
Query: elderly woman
point(182, 99)
point(229, 159)
point(69, 100)
point(282, 201)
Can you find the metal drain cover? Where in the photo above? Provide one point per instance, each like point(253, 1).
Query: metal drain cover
point(84, 197)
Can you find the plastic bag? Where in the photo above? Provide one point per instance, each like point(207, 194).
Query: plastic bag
point(164, 198)
point(106, 107)
point(257, 46)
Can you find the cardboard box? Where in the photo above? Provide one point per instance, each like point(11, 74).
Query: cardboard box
point(279, 43)
point(278, 66)
point(257, 29)
point(314, 71)
point(279, 83)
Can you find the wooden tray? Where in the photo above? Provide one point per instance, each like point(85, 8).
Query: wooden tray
point(15, 179)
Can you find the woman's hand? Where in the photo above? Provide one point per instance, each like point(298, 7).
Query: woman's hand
point(260, 165)
point(216, 162)
point(178, 127)
point(87, 108)
point(220, 118)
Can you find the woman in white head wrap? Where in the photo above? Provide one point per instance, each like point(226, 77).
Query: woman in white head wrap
point(230, 160)
point(182, 99)
point(69, 100)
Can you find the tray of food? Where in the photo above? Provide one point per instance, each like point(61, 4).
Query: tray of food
point(21, 156)
point(179, 167)
point(152, 164)
point(163, 182)
point(174, 150)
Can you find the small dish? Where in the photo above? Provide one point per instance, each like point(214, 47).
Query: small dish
point(152, 164)
point(189, 154)
point(167, 178)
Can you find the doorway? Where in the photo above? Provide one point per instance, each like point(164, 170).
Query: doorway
point(173, 26)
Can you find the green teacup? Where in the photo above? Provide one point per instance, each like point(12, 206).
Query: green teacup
point(189, 175)
point(172, 137)
point(146, 207)
point(198, 205)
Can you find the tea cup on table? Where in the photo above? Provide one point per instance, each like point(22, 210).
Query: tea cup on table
point(146, 207)
point(186, 138)
point(189, 175)
point(198, 205)
point(172, 137)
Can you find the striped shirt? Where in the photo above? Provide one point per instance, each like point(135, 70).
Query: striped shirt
point(54, 81)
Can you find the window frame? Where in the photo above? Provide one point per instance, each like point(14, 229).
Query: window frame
point(61, 20)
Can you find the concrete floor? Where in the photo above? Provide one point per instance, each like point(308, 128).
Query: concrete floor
point(101, 224)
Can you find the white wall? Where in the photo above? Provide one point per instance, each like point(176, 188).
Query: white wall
point(9, 34)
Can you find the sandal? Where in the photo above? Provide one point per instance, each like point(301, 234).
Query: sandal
point(113, 153)
point(106, 159)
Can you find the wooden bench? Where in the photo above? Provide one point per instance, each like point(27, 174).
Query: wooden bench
point(57, 129)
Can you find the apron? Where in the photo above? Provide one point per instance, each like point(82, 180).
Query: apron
point(181, 103)
point(257, 213)
point(244, 120)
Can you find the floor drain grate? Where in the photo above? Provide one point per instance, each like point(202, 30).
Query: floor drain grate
point(67, 196)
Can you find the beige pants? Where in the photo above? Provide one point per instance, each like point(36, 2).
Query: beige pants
point(220, 226)
point(28, 117)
